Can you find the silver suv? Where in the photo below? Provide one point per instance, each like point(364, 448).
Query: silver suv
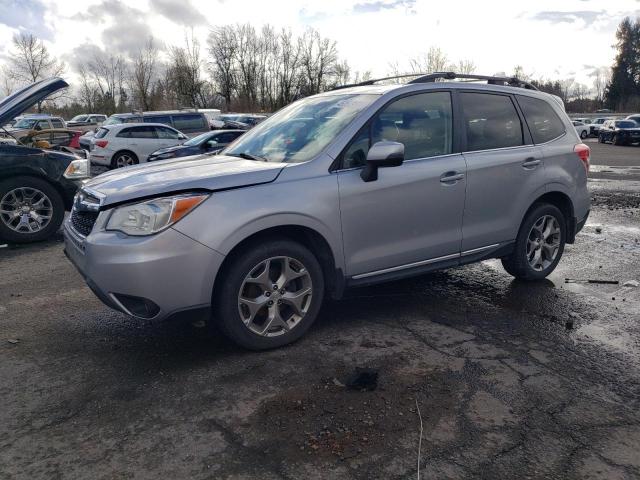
point(350, 187)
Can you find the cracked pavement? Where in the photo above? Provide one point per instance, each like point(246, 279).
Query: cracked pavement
point(512, 380)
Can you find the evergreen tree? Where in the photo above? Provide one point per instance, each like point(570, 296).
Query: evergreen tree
point(623, 91)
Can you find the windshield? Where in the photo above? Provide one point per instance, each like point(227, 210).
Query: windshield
point(113, 120)
point(26, 123)
point(195, 141)
point(79, 118)
point(299, 132)
point(626, 124)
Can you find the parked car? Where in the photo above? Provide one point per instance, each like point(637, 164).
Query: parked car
point(211, 142)
point(57, 139)
point(37, 184)
point(241, 121)
point(189, 122)
point(126, 144)
point(619, 132)
point(36, 122)
point(582, 129)
point(87, 122)
point(635, 117)
point(583, 120)
point(594, 126)
point(345, 188)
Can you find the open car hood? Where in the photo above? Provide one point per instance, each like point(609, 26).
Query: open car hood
point(24, 99)
point(201, 172)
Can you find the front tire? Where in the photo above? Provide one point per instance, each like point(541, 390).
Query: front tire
point(31, 210)
point(584, 134)
point(269, 295)
point(539, 244)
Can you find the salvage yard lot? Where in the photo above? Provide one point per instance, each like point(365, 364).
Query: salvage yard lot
point(511, 379)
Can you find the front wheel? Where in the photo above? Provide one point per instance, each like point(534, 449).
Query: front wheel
point(584, 134)
point(30, 209)
point(539, 244)
point(270, 295)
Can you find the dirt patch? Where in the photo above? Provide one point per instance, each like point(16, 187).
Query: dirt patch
point(615, 200)
point(327, 420)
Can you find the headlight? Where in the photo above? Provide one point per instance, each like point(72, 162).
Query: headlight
point(152, 216)
point(78, 169)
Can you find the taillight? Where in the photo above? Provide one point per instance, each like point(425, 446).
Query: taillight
point(103, 143)
point(583, 152)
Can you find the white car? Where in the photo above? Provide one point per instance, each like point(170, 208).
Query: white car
point(582, 129)
point(126, 144)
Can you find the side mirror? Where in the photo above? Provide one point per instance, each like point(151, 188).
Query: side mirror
point(382, 154)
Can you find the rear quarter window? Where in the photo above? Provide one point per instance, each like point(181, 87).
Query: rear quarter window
point(102, 132)
point(544, 124)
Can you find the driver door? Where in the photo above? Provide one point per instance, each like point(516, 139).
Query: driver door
point(412, 214)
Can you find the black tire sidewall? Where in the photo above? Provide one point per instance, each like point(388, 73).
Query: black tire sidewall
point(523, 234)
point(225, 306)
point(56, 202)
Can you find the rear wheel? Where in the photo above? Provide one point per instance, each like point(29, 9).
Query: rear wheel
point(616, 140)
point(539, 245)
point(124, 159)
point(30, 209)
point(270, 295)
point(584, 134)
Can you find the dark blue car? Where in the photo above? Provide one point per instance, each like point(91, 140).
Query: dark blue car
point(209, 142)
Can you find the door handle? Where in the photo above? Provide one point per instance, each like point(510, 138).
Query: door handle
point(451, 177)
point(531, 163)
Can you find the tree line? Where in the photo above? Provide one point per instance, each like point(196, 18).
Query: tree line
point(241, 68)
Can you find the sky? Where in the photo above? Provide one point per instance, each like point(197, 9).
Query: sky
point(548, 38)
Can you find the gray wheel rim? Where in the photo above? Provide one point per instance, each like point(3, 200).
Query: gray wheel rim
point(124, 160)
point(275, 296)
point(543, 242)
point(26, 210)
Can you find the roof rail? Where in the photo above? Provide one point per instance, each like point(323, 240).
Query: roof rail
point(432, 77)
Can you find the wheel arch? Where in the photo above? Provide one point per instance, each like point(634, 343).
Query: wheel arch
point(564, 203)
point(304, 235)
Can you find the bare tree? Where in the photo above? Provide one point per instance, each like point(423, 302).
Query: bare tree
point(8, 83)
point(108, 73)
point(319, 57)
point(30, 61)
point(435, 60)
point(185, 74)
point(465, 67)
point(601, 78)
point(289, 71)
point(223, 48)
point(143, 75)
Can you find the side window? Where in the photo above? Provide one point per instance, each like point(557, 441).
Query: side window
point(164, 119)
point(189, 122)
point(124, 133)
point(165, 133)
point(422, 123)
point(56, 123)
point(42, 125)
point(491, 121)
point(138, 132)
point(226, 137)
point(543, 122)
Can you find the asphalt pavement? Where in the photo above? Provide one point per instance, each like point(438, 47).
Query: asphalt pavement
point(506, 379)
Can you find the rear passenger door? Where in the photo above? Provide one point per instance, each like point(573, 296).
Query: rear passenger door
point(142, 140)
point(505, 171)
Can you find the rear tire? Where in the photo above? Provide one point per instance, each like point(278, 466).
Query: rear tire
point(584, 134)
point(251, 311)
point(41, 207)
point(539, 244)
point(124, 159)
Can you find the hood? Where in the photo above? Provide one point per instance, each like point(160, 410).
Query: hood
point(200, 172)
point(22, 100)
point(174, 148)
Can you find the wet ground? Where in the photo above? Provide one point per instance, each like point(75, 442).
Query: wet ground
point(508, 380)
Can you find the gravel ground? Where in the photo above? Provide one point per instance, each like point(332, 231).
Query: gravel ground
point(511, 380)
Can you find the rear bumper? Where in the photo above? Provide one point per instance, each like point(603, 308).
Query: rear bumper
point(104, 159)
point(153, 277)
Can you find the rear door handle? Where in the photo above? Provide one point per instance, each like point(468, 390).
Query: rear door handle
point(451, 178)
point(531, 163)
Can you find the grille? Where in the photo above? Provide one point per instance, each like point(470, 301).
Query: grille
point(83, 221)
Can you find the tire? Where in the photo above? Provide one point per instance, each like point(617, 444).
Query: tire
point(616, 140)
point(600, 139)
point(584, 134)
point(242, 279)
point(124, 159)
point(43, 209)
point(519, 263)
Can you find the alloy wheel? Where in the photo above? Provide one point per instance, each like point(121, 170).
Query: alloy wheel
point(543, 242)
point(26, 210)
point(275, 296)
point(124, 160)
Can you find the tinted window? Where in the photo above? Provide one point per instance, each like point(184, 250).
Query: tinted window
point(103, 131)
point(137, 132)
point(165, 119)
point(163, 132)
point(189, 122)
point(626, 124)
point(57, 123)
point(422, 123)
point(544, 124)
point(491, 121)
point(226, 137)
point(42, 125)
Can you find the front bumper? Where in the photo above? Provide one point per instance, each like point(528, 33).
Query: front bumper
point(152, 277)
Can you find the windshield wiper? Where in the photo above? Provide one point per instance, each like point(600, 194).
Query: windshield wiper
point(248, 156)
